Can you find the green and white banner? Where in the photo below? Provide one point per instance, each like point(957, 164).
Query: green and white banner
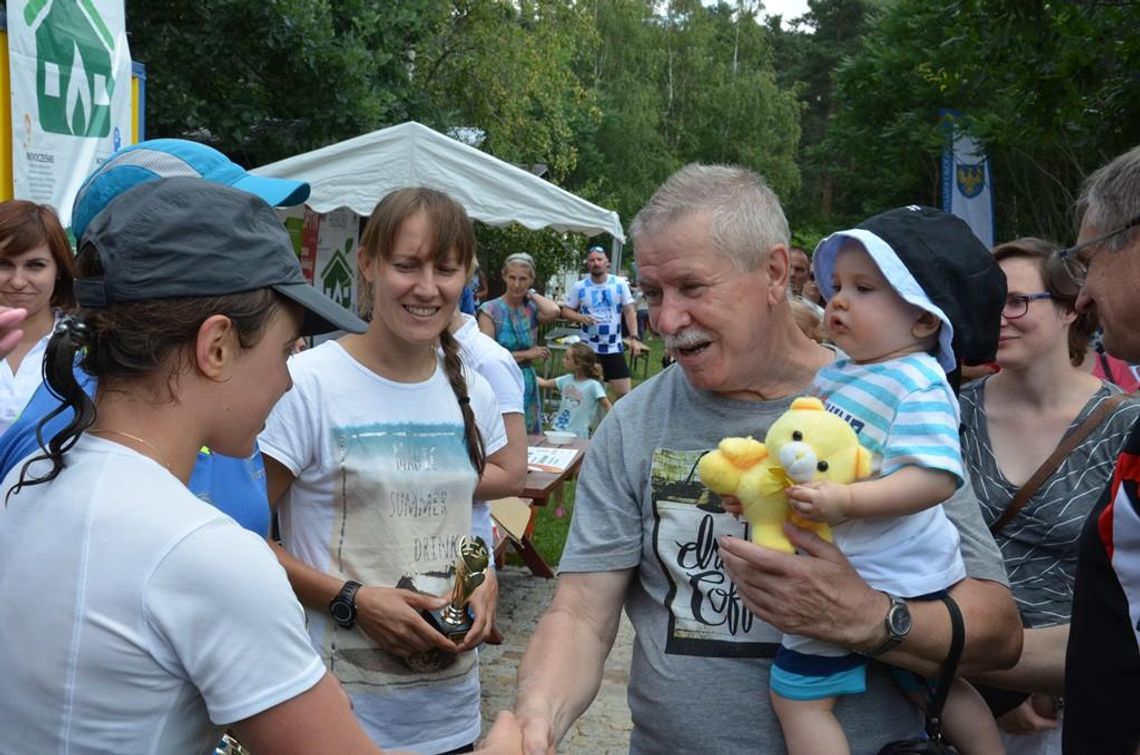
point(71, 94)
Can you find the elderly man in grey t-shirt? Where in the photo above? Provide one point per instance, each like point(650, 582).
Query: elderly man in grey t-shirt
point(707, 606)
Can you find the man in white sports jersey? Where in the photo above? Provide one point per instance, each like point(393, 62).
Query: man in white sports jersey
point(608, 300)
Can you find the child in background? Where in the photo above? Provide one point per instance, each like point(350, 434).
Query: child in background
point(581, 391)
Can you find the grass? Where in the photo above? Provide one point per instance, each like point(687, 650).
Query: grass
point(549, 531)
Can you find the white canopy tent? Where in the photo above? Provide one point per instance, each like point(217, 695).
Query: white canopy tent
point(356, 173)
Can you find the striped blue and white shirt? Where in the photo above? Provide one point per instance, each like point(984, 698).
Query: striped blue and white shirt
point(903, 411)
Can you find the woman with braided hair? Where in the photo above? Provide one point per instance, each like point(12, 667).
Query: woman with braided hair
point(373, 460)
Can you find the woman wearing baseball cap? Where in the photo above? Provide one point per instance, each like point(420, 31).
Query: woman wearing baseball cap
point(139, 618)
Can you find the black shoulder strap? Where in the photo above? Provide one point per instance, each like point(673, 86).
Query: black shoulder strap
point(949, 669)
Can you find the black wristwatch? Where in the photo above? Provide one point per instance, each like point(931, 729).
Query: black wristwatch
point(898, 625)
point(343, 606)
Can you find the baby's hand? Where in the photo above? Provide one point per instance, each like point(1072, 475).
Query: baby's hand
point(821, 501)
point(732, 505)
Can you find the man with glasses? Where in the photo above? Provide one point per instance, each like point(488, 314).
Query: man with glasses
point(1103, 661)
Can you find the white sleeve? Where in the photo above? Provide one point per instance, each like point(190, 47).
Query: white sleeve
point(573, 296)
point(624, 293)
point(488, 413)
point(502, 372)
point(224, 617)
point(288, 435)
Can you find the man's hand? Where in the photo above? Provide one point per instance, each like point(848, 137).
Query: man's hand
point(483, 603)
point(391, 618)
point(636, 347)
point(10, 332)
point(537, 732)
point(821, 596)
point(505, 737)
point(821, 501)
point(574, 315)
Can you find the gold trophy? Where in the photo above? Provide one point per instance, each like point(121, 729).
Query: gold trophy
point(454, 620)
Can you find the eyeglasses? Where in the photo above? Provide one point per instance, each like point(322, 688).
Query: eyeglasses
point(1078, 268)
point(1017, 306)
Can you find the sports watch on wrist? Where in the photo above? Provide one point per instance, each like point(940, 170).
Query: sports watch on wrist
point(897, 622)
point(343, 606)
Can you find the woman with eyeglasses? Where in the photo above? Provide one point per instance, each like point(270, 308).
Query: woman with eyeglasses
point(1012, 423)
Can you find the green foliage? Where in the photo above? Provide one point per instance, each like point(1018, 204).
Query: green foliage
point(686, 83)
point(1049, 89)
point(806, 65)
point(506, 68)
point(264, 80)
point(840, 111)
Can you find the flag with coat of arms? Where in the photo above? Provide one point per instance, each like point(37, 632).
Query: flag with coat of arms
point(967, 183)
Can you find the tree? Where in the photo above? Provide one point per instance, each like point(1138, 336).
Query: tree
point(807, 54)
point(265, 80)
point(505, 68)
point(1049, 89)
point(689, 83)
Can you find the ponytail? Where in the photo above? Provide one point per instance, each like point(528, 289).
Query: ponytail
point(476, 451)
point(586, 363)
point(69, 338)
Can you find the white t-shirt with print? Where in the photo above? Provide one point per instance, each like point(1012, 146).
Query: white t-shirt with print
point(579, 404)
point(382, 494)
point(136, 617)
point(604, 302)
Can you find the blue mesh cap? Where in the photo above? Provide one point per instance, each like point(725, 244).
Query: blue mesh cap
point(167, 158)
point(185, 237)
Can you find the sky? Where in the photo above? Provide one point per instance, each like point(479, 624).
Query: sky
point(789, 9)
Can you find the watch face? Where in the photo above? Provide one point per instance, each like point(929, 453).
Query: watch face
point(899, 619)
point(341, 611)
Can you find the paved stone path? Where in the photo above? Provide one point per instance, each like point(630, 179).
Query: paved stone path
point(604, 728)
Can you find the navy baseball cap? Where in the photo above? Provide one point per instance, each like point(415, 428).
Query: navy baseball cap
point(166, 158)
point(184, 237)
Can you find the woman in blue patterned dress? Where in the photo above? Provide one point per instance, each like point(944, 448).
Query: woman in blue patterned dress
point(512, 319)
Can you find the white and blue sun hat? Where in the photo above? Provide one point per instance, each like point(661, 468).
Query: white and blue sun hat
point(935, 262)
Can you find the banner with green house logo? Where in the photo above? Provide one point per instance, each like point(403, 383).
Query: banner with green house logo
point(71, 94)
point(335, 269)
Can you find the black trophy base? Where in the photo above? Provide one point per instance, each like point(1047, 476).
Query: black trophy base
point(454, 629)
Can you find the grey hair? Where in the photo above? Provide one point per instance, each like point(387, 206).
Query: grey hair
point(1110, 198)
point(746, 219)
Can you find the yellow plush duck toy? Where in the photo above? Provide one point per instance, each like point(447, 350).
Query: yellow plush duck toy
point(806, 443)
